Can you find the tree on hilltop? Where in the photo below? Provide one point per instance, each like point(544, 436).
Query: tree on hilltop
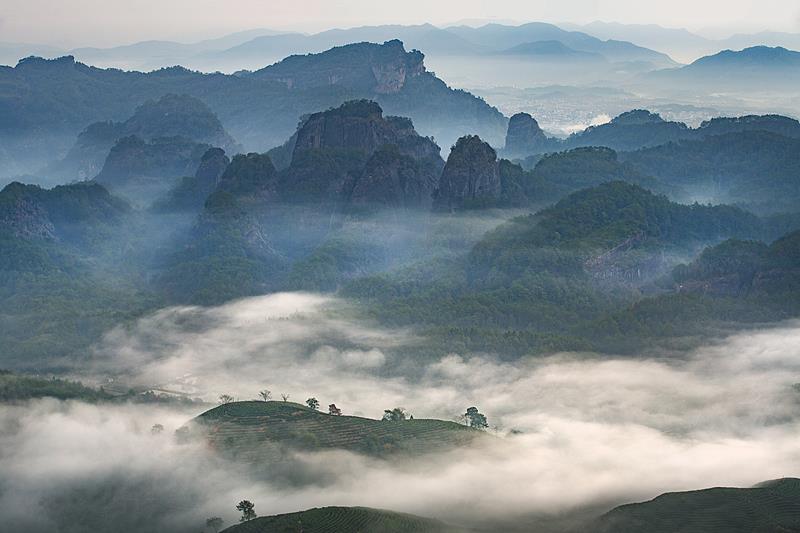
point(248, 510)
point(225, 398)
point(265, 395)
point(312, 403)
point(394, 415)
point(476, 419)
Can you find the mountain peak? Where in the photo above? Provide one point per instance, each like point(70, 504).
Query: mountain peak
point(758, 56)
point(379, 68)
point(637, 116)
point(36, 61)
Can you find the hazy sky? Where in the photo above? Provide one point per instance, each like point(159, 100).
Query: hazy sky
point(104, 22)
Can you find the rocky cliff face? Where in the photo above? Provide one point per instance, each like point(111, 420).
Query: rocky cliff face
point(175, 115)
point(360, 126)
point(393, 179)
point(524, 137)
point(66, 212)
point(355, 155)
point(377, 68)
point(212, 167)
point(169, 116)
point(22, 216)
point(192, 191)
point(471, 176)
point(133, 157)
point(250, 177)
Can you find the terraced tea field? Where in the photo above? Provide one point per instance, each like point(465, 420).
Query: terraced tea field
point(771, 507)
point(343, 520)
point(261, 430)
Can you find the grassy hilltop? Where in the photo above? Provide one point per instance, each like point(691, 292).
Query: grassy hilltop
point(256, 430)
point(769, 507)
point(341, 520)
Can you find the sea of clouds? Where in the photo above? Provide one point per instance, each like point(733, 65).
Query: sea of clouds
point(591, 431)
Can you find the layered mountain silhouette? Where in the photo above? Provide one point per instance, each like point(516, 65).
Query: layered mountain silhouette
point(258, 109)
point(757, 68)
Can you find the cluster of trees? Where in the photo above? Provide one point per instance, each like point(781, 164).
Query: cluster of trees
point(312, 403)
point(246, 507)
point(397, 414)
point(475, 419)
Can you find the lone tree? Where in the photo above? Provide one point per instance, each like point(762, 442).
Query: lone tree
point(156, 429)
point(312, 403)
point(333, 410)
point(475, 419)
point(225, 398)
point(248, 510)
point(394, 415)
point(285, 397)
point(265, 395)
point(214, 523)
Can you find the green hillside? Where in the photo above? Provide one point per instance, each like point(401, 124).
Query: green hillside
point(771, 507)
point(254, 431)
point(343, 520)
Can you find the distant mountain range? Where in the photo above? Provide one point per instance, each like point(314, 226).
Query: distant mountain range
point(255, 48)
point(493, 54)
point(48, 102)
point(682, 44)
point(759, 69)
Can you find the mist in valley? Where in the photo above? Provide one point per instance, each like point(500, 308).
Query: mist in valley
point(587, 233)
point(571, 433)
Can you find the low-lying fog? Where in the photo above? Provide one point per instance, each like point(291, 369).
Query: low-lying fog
point(595, 430)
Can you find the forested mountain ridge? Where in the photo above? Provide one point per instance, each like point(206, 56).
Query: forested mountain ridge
point(54, 100)
point(170, 116)
point(639, 129)
point(768, 506)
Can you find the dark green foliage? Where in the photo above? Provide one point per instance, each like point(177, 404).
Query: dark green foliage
point(352, 158)
point(175, 115)
point(163, 157)
point(79, 212)
point(15, 388)
point(471, 177)
point(58, 290)
point(757, 169)
point(58, 98)
point(247, 509)
point(247, 175)
point(768, 507)
point(171, 116)
point(740, 258)
point(343, 520)
point(558, 174)
point(475, 419)
point(604, 215)
point(602, 218)
point(312, 403)
point(192, 191)
point(569, 278)
point(394, 415)
point(256, 430)
point(735, 266)
point(630, 131)
point(322, 175)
